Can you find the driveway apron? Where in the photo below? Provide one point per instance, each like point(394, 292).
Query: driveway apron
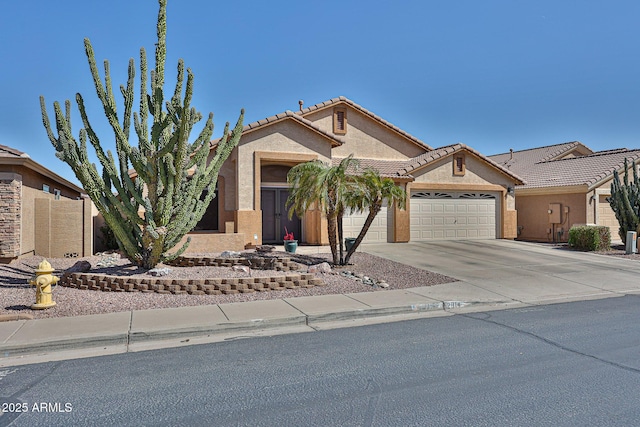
point(526, 272)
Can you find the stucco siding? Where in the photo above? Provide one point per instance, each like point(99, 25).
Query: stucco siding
point(533, 215)
point(477, 172)
point(366, 138)
point(287, 137)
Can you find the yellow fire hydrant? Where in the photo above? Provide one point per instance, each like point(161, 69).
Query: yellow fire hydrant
point(43, 281)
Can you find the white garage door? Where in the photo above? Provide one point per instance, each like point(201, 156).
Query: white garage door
point(352, 224)
point(448, 216)
point(607, 217)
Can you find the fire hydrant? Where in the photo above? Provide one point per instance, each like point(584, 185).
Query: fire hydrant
point(43, 281)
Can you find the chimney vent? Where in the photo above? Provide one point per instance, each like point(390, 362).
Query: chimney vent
point(511, 151)
point(301, 103)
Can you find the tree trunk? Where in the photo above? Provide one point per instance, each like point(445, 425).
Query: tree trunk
point(367, 224)
point(331, 228)
point(339, 216)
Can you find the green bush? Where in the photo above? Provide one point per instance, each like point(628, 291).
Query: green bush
point(590, 238)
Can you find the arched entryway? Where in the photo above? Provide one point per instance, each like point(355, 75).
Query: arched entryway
point(274, 192)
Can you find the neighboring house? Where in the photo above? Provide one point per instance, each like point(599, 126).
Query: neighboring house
point(566, 184)
point(41, 213)
point(455, 192)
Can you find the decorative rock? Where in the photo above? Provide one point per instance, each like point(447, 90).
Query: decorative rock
point(108, 261)
point(243, 268)
point(230, 254)
point(79, 267)
point(265, 248)
point(159, 271)
point(384, 285)
point(323, 268)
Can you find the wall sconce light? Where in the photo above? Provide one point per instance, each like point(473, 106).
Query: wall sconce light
point(511, 190)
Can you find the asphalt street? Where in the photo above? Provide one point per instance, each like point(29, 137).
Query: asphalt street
point(571, 364)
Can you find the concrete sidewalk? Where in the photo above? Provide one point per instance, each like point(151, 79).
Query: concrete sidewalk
point(563, 277)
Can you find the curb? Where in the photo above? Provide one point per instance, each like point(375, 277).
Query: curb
point(147, 335)
point(13, 317)
point(136, 337)
point(64, 344)
point(125, 339)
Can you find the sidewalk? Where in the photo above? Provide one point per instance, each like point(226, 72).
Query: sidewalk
point(30, 341)
point(149, 329)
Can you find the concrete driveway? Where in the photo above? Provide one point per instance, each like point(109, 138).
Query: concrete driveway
point(518, 271)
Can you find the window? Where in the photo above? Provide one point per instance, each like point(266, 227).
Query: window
point(45, 188)
point(57, 194)
point(458, 165)
point(340, 121)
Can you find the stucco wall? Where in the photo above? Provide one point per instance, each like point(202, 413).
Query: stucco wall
point(31, 183)
point(366, 138)
point(284, 137)
point(477, 172)
point(62, 228)
point(533, 216)
point(599, 210)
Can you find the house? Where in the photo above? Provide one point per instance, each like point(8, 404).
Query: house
point(566, 184)
point(41, 213)
point(455, 192)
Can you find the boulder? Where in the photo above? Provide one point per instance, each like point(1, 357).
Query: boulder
point(265, 248)
point(323, 268)
point(79, 267)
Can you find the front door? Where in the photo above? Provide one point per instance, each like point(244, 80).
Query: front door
point(275, 216)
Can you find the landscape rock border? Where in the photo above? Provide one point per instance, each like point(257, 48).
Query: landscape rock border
point(210, 286)
point(214, 286)
point(255, 262)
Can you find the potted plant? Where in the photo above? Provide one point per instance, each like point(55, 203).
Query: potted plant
point(290, 244)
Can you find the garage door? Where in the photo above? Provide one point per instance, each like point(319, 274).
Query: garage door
point(607, 217)
point(352, 224)
point(448, 216)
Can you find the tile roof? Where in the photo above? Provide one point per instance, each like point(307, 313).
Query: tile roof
point(386, 168)
point(12, 156)
point(441, 152)
point(404, 168)
point(364, 111)
point(521, 161)
point(336, 140)
point(589, 170)
point(6, 151)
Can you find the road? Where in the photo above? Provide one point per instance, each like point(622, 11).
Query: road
point(564, 364)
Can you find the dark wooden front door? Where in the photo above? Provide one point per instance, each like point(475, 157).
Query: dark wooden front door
point(275, 216)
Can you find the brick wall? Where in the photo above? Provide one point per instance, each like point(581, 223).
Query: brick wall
point(10, 211)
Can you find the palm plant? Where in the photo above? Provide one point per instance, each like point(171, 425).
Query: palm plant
point(325, 186)
point(371, 193)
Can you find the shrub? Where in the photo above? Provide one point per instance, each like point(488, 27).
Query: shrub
point(590, 238)
point(108, 238)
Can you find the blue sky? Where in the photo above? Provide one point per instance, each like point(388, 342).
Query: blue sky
point(493, 74)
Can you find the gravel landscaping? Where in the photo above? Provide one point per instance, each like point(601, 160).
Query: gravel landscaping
point(17, 295)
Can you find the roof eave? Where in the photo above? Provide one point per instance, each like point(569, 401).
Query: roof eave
point(37, 167)
point(462, 147)
point(343, 100)
point(556, 189)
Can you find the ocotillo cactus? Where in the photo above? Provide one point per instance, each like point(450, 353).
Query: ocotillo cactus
point(152, 210)
point(625, 200)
